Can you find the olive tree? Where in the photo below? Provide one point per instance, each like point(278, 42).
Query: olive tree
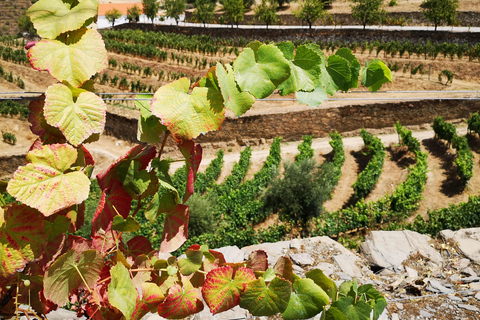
point(112, 15)
point(204, 11)
point(438, 11)
point(310, 11)
point(234, 10)
point(133, 14)
point(367, 11)
point(150, 8)
point(267, 12)
point(174, 8)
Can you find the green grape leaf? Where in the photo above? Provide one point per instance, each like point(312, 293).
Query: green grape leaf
point(53, 17)
point(175, 230)
point(306, 301)
point(125, 225)
point(185, 115)
point(375, 74)
point(192, 263)
point(121, 291)
point(209, 80)
point(134, 180)
point(355, 67)
point(149, 127)
point(69, 271)
point(235, 100)
point(327, 284)
point(223, 287)
point(74, 63)
point(22, 238)
point(257, 260)
point(339, 69)
point(357, 311)
point(44, 183)
point(179, 303)
point(333, 314)
point(313, 98)
point(373, 297)
point(78, 119)
point(152, 296)
point(348, 289)
point(305, 69)
point(263, 300)
point(260, 72)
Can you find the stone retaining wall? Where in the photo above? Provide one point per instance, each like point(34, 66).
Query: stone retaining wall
point(318, 121)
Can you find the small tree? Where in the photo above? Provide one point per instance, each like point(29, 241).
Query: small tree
point(310, 11)
point(267, 12)
point(234, 10)
point(437, 11)
point(112, 15)
point(204, 11)
point(174, 8)
point(367, 11)
point(26, 25)
point(133, 14)
point(150, 8)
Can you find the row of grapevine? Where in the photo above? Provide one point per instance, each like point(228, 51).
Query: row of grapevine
point(12, 108)
point(404, 200)
point(18, 56)
point(464, 161)
point(305, 150)
point(11, 41)
point(196, 44)
point(9, 76)
point(367, 179)
point(123, 83)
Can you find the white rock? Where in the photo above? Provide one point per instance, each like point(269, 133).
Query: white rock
point(391, 248)
point(468, 242)
point(347, 264)
point(232, 254)
point(273, 250)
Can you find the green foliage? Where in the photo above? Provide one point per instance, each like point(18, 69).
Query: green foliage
point(174, 8)
point(12, 108)
point(407, 139)
point(150, 8)
point(236, 176)
point(202, 217)
point(367, 11)
point(9, 138)
point(447, 74)
point(204, 11)
point(367, 179)
point(464, 161)
point(444, 130)
point(133, 14)
point(234, 10)
point(112, 15)
point(310, 11)
point(266, 11)
point(438, 11)
point(473, 123)
point(26, 25)
point(207, 179)
point(305, 150)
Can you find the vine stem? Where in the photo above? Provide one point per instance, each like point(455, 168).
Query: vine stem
point(83, 279)
point(137, 209)
point(167, 133)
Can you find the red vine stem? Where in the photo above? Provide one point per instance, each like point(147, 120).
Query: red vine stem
point(163, 144)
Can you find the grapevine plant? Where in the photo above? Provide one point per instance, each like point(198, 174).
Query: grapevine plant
point(43, 264)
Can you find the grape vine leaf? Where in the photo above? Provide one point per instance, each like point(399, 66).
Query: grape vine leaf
point(185, 115)
point(22, 238)
point(135, 181)
point(374, 298)
point(313, 98)
point(263, 300)
point(339, 70)
point(333, 314)
point(261, 71)
point(77, 119)
point(284, 268)
point(128, 224)
point(45, 183)
point(324, 282)
point(53, 17)
point(121, 291)
point(223, 287)
point(152, 296)
point(353, 311)
point(149, 127)
point(257, 260)
point(193, 156)
point(355, 67)
point(70, 271)
point(39, 125)
point(375, 74)
point(114, 201)
point(175, 231)
point(192, 263)
point(180, 303)
point(304, 66)
point(139, 245)
point(237, 101)
point(306, 301)
point(74, 63)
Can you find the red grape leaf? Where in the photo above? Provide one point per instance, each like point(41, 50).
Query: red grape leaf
point(114, 201)
point(179, 303)
point(152, 296)
point(193, 157)
point(175, 231)
point(139, 245)
point(258, 260)
point(284, 268)
point(223, 287)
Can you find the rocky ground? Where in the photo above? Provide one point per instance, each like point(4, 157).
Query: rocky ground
point(421, 277)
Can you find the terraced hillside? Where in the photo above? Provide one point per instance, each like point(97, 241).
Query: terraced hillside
point(11, 10)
